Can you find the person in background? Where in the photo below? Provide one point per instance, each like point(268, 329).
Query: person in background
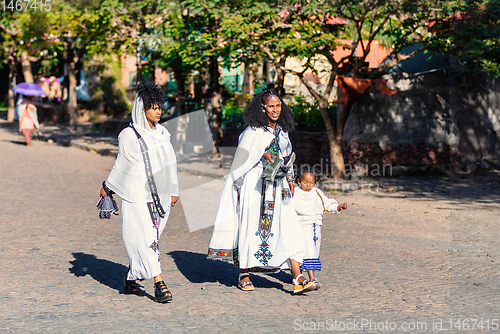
point(28, 118)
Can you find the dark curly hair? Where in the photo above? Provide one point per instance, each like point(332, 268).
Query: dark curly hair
point(305, 169)
point(150, 94)
point(256, 118)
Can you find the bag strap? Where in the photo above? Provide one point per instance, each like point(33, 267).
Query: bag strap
point(149, 173)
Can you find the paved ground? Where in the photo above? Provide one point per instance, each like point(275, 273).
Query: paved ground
point(411, 256)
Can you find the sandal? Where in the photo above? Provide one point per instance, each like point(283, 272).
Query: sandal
point(162, 294)
point(318, 284)
point(299, 288)
point(245, 286)
point(131, 287)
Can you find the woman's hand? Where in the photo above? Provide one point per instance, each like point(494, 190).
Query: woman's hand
point(342, 206)
point(174, 200)
point(268, 157)
point(292, 187)
point(103, 193)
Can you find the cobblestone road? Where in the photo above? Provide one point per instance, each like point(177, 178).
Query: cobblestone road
point(425, 253)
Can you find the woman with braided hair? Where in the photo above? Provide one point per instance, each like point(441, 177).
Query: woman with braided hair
point(256, 225)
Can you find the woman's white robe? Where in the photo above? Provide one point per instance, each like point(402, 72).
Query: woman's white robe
point(235, 235)
point(141, 229)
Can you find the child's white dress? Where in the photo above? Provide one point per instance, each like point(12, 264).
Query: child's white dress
point(310, 207)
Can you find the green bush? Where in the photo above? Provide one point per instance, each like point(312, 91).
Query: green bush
point(307, 115)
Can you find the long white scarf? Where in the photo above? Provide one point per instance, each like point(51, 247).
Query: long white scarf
point(128, 177)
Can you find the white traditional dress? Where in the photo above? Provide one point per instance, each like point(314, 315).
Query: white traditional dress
point(141, 223)
point(257, 226)
point(310, 207)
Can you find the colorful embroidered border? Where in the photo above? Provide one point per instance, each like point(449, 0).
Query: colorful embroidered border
point(226, 255)
point(323, 203)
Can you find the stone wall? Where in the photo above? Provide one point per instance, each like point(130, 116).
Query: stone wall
point(447, 119)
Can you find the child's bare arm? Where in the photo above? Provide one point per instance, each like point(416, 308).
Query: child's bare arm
point(342, 206)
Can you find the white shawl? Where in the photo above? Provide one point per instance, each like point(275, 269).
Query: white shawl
point(31, 110)
point(252, 144)
point(128, 176)
point(312, 205)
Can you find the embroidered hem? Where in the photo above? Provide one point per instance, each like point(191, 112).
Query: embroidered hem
point(226, 255)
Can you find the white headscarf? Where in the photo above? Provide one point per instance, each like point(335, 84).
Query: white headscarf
point(128, 176)
point(139, 115)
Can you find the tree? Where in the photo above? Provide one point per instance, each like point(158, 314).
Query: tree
point(469, 31)
point(21, 41)
point(87, 29)
point(172, 40)
point(305, 30)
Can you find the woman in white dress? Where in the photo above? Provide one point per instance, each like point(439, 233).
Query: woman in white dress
point(256, 225)
point(146, 180)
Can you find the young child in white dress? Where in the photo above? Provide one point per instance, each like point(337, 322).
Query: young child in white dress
point(311, 204)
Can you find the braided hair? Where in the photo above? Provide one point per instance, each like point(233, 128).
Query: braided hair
point(150, 94)
point(255, 117)
point(307, 169)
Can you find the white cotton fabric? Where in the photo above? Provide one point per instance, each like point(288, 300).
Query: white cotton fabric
point(312, 235)
point(309, 205)
point(237, 222)
point(128, 180)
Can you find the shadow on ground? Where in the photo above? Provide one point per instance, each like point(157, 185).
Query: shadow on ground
point(198, 269)
point(105, 272)
point(482, 186)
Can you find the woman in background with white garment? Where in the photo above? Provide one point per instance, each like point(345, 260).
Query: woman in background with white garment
point(28, 119)
point(145, 177)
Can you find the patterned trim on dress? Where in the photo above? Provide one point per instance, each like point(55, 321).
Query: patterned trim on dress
point(311, 264)
point(315, 237)
point(323, 203)
point(226, 255)
point(267, 207)
point(155, 218)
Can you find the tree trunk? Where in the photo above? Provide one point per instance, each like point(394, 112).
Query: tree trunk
point(337, 158)
point(181, 91)
point(26, 65)
point(215, 98)
point(334, 141)
point(336, 151)
point(280, 77)
point(12, 103)
point(72, 92)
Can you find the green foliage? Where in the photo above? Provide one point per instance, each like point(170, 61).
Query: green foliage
point(108, 95)
point(470, 31)
point(307, 116)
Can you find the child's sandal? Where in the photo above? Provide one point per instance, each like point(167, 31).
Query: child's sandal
point(245, 286)
point(318, 284)
point(299, 288)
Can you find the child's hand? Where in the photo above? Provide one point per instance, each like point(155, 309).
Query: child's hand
point(268, 157)
point(342, 206)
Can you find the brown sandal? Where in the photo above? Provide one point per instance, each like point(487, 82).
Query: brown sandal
point(131, 287)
